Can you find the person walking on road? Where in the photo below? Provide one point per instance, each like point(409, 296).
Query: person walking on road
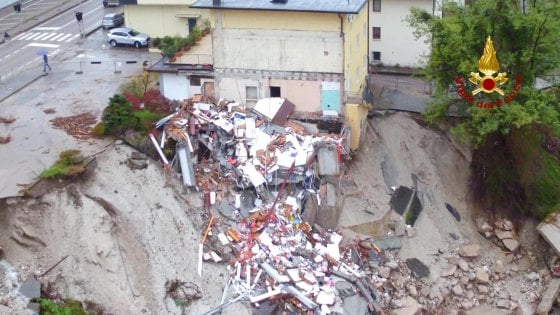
point(46, 63)
point(80, 19)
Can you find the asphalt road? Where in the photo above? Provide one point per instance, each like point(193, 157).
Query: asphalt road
point(56, 35)
point(85, 74)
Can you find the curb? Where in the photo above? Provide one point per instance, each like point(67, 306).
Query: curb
point(20, 87)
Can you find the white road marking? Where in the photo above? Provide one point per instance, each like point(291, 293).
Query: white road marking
point(46, 28)
point(63, 37)
point(34, 35)
point(43, 45)
point(73, 37)
point(50, 35)
point(25, 36)
point(57, 36)
point(40, 37)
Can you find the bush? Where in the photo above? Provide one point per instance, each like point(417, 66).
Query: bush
point(156, 42)
point(156, 103)
point(118, 115)
point(99, 129)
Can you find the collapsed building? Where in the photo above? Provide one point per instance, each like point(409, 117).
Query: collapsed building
point(260, 172)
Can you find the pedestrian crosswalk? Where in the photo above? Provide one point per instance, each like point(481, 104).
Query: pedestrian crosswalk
point(47, 36)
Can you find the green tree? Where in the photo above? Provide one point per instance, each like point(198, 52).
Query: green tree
point(118, 115)
point(526, 46)
point(515, 160)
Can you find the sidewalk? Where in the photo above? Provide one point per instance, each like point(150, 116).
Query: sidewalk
point(17, 81)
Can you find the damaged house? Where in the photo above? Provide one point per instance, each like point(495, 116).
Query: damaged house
point(312, 53)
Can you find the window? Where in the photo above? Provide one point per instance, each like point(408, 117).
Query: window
point(376, 32)
point(195, 81)
point(275, 91)
point(376, 5)
point(376, 56)
point(191, 23)
point(251, 96)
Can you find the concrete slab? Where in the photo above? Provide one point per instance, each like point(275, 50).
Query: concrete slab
point(551, 233)
point(549, 297)
point(485, 310)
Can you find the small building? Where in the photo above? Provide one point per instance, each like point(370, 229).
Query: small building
point(313, 53)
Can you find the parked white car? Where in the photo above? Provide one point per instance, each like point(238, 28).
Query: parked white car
point(127, 36)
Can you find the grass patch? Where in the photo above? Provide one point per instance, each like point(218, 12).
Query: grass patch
point(546, 187)
point(70, 163)
point(69, 307)
point(145, 119)
point(409, 217)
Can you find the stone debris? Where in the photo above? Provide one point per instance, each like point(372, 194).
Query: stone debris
point(469, 251)
point(511, 245)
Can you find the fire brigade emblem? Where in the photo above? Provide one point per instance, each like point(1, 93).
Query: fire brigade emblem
point(488, 65)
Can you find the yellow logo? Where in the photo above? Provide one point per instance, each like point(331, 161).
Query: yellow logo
point(488, 65)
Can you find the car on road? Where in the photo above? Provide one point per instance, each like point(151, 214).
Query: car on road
point(110, 3)
point(112, 20)
point(127, 36)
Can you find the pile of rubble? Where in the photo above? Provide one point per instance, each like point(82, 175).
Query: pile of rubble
point(225, 144)
point(276, 259)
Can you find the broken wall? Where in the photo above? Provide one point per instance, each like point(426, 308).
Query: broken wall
point(356, 116)
point(302, 89)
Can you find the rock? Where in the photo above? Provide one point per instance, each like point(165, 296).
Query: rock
point(384, 272)
point(482, 288)
point(509, 259)
point(504, 294)
point(507, 225)
point(344, 288)
point(449, 270)
point(482, 225)
point(137, 164)
point(513, 305)
point(532, 276)
point(31, 288)
point(470, 251)
point(469, 294)
point(412, 291)
point(135, 155)
point(418, 268)
point(399, 230)
point(511, 244)
point(119, 142)
point(466, 304)
point(452, 260)
point(482, 276)
point(392, 264)
point(411, 232)
point(463, 265)
point(503, 303)
point(410, 307)
point(355, 305)
point(457, 290)
point(501, 234)
point(499, 267)
point(434, 293)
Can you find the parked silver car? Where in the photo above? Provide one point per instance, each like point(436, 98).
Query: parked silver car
point(112, 20)
point(127, 36)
